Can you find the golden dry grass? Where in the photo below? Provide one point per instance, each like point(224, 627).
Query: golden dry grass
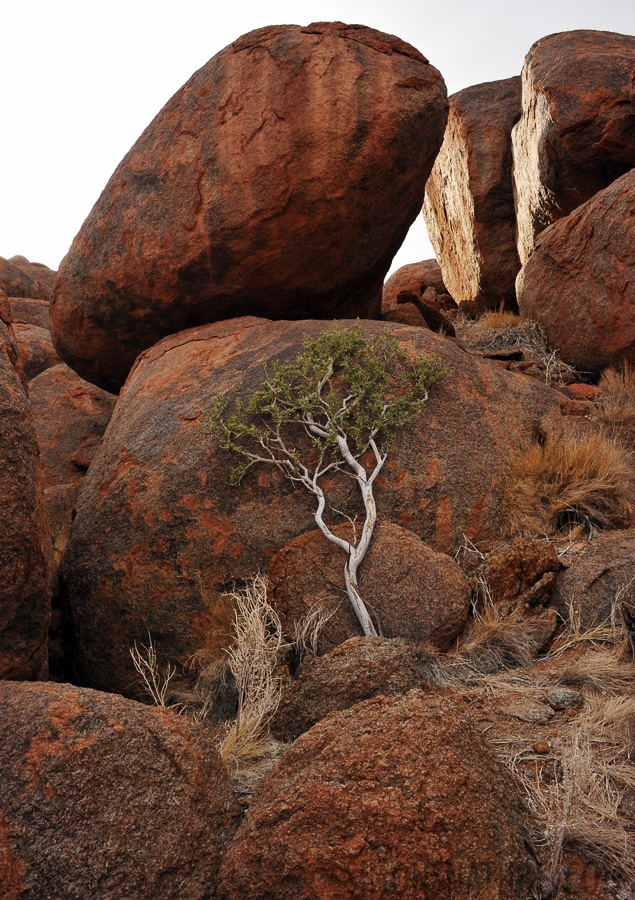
point(615, 406)
point(555, 485)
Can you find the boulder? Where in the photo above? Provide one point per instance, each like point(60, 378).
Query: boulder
point(577, 130)
point(157, 515)
point(599, 581)
point(418, 278)
point(24, 564)
point(469, 202)
point(21, 278)
point(36, 349)
point(511, 571)
point(106, 798)
point(279, 181)
point(360, 668)
point(29, 312)
point(397, 797)
point(579, 283)
point(412, 591)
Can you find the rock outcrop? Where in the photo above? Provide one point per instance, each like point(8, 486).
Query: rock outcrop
point(279, 181)
point(21, 278)
point(414, 592)
point(106, 798)
point(36, 349)
point(579, 283)
point(24, 564)
point(26, 311)
point(577, 131)
point(396, 797)
point(469, 203)
point(156, 514)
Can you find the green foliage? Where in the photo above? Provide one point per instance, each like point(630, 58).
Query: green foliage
point(343, 385)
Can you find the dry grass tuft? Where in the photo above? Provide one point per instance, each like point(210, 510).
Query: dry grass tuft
point(306, 633)
point(156, 683)
point(615, 406)
point(602, 669)
point(553, 486)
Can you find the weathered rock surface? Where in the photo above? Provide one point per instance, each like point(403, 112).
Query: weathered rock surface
point(579, 283)
point(418, 278)
point(358, 669)
point(577, 130)
point(27, 311)
point(413, 591)
point(396, 797)
point(21, 278)
point(599, 580)
point(469, 203)
point(106, 798)
point(511, 571)
point(24, 566)
point(36, 349)
point(156, 512)
point(279, 181)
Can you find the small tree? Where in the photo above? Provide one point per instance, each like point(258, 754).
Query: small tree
point(347, 394)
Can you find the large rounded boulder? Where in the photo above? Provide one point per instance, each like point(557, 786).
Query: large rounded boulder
point(157, 517)
point(106, 798)
point(469, 205)
point(579, 283)
point(24, 565)
point(21, 278)
point(396, 797)
point(279, 181)
point(577, 130)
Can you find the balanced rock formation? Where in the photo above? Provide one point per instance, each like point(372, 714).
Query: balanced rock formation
point(579, 283)
point(469, 203)
point(106, 798)
point(577, 131)
point(358, 669)
point(397, 797)
point(415, 592)
point(21, 278)
point(279, 181)
point(24, 564)
point(157, 514)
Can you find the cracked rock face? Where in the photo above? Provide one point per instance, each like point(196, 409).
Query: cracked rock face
point(24, 567)
point(157, 514)
point(469, 202)
point(577, 130)
point(579, 283)
point(106, 798)
point(396, 797)
point(279, 181)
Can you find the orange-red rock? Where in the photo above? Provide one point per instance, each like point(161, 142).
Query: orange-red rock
point(156, 512)
point(469, 204)
point(577, 130)
point(358, 669)
point(27, 311)
point(397, 797)
point(416, 277)
point(21, 278)
point(36, 350)
point(106, 798)
point(414, 592)
point(24, 567)
point(279, 181)
point(579, 283)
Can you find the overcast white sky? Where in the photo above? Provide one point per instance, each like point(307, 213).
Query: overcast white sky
point(81, 79)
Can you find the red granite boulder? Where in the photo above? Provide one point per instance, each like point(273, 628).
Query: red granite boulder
point(24, 565)
point(157, 515)
point(279, 181)
point(397, 797)
point(106, 798)
point(469, 205)
point(579, 283)
point(27, 311)
point(36, 349)
point(414, 592)
point(21, 278)
point(577, 130)
point(418, 278)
